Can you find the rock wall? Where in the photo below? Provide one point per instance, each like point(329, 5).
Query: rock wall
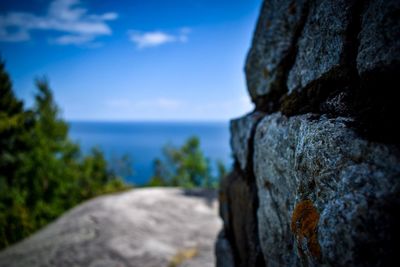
point(316, 179)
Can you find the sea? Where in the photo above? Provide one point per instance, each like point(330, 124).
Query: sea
point(143, 142)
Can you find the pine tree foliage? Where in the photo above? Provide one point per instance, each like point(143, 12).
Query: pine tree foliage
point(186, 167)
point(42, 172)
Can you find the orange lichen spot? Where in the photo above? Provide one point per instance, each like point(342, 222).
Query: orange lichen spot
point(304, 224)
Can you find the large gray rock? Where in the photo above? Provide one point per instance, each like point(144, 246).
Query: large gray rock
point(143, 227)
point(242, 130)
point(324, 44)
point(326, 196)
point(379, 48)
point(274, 42)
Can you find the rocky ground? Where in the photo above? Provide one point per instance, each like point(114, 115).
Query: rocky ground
point(141, 227)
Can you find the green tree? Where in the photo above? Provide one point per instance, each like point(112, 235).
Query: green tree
point(186, 167)
point(14, 123)
point(42, 172)
point(160, 174)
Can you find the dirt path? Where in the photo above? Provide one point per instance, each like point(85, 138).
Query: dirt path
point(142, 227)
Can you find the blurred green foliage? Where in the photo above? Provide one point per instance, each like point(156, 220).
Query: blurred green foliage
point(42, 172)
point(186, 167)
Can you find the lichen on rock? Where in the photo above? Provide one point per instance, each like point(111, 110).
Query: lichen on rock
point(304, 224)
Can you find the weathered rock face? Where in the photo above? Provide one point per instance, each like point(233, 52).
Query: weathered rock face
point(317, 175)
point(379, 48)
point(325, 44)
point(307, 165)
point(273, 48)
point(142, 227)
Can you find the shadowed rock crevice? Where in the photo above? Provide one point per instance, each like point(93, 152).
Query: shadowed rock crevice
point(242, 141)
point(378, 107)
point(257, 258)
point(249, 171)
point(238, 207)
point(225, 247)
point(238, 195)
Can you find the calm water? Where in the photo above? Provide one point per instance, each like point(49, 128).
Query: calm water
point(143, 141)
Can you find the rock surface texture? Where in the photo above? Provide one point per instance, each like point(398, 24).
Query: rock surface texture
point(316, 179)
point(142, 227)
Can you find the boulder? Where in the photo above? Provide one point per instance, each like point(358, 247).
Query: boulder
point(326, 196)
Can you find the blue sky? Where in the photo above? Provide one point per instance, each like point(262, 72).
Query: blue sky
point(132, 60)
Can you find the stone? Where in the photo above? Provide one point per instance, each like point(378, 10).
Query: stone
point(379, 48)
point(326, 196)
point(238, 206)
point(223, 251)
point(140, 227)
point(324, 155)
point(274, 41)
point(378, 64)
point(242, 130)
point(223, 198)
point(325, 45)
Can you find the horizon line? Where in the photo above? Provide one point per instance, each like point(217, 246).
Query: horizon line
point(151, 120)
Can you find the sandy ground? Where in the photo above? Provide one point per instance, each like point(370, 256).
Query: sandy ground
point(142, 227)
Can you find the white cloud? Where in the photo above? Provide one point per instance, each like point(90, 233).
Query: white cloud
point(64, 16)
point(157, 38)
point(73, 39)
point(149, 39)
